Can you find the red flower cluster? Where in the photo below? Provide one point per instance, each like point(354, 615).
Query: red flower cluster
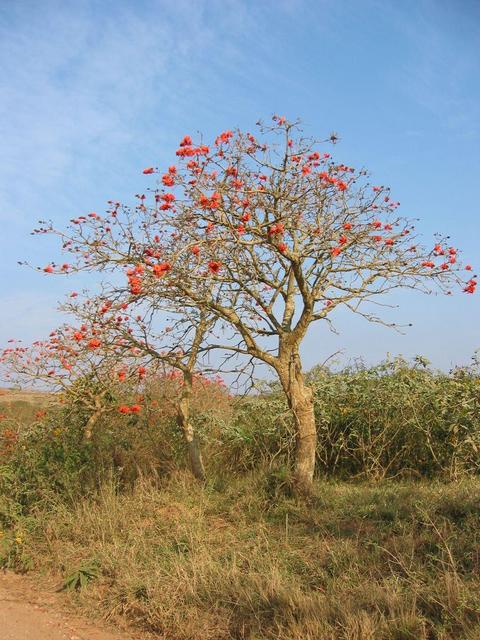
point(223, 137)
point(133, 408)
point(210, 203)
point(471, 286)
point(187, 149)
point(135, 285)
point(276, 229)
point(160, 269)
point(214, 266)
point(168, 180)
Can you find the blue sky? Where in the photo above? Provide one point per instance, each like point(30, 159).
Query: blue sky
point(91, 92)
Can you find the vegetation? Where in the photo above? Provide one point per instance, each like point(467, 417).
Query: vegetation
point(243, 245)
point(385, 547)
point(324, 505)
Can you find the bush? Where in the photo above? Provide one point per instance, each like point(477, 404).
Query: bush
point(398, 419)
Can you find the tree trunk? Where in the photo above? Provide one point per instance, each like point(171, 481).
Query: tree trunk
point(300, 400)
point(92, 421)
point(191, 439)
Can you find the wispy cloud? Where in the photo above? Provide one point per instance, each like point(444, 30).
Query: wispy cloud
point(75, 84)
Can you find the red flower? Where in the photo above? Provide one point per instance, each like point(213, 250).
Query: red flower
point(122, 375)
point(336, 251)
point(428, 263)
point(160, 269)
point(186, 141)
point(135, 285)
point(471, 286)
point(210, 203)
point(347, 226)
point(468, 267)
point(168, 180)
point(223, 137)
point(195, 250)
point(148, 170)
point(48, 268)
point(245, 217)
point(377, 224)
point(94, 343)
point(389, 242)
point(282, 247)
point(343, 239)
point(276, 229)
point(135, 408)
point(124, 408)
point(214, 266)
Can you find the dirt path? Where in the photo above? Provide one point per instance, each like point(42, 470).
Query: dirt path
point(27, 613)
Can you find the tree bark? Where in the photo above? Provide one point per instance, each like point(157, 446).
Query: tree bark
point(300, 400)
point(191, 439)
point(92, 421)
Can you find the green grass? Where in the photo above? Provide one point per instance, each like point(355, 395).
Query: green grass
point(238, 560)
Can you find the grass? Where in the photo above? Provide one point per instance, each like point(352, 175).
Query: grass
point(243, 560)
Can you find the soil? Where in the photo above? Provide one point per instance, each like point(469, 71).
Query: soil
point(32, 612)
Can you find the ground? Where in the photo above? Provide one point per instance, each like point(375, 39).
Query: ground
point(31, 613)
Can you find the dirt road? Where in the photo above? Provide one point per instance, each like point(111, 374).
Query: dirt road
point(29, 614)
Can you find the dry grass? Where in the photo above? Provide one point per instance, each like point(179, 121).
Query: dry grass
point(393, 561)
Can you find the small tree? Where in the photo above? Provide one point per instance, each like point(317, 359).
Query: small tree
point(130, 330)
point(268, 236)
point(71, 363)
point(87, 364)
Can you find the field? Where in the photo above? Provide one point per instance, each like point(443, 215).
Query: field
point(386, 547)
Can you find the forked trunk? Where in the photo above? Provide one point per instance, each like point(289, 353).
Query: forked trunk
point(191, 439)
point(300, 400)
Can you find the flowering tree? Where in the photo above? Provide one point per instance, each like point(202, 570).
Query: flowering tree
point(107, 351)
point(268, 236)
point(131, 332)
point(69, 363)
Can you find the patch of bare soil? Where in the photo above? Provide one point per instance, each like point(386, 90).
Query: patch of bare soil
point(28, 612)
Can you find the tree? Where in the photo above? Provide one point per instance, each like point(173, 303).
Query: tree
point(71, 364)
point(268, 236)
point(130, 331)
point(89, 364)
